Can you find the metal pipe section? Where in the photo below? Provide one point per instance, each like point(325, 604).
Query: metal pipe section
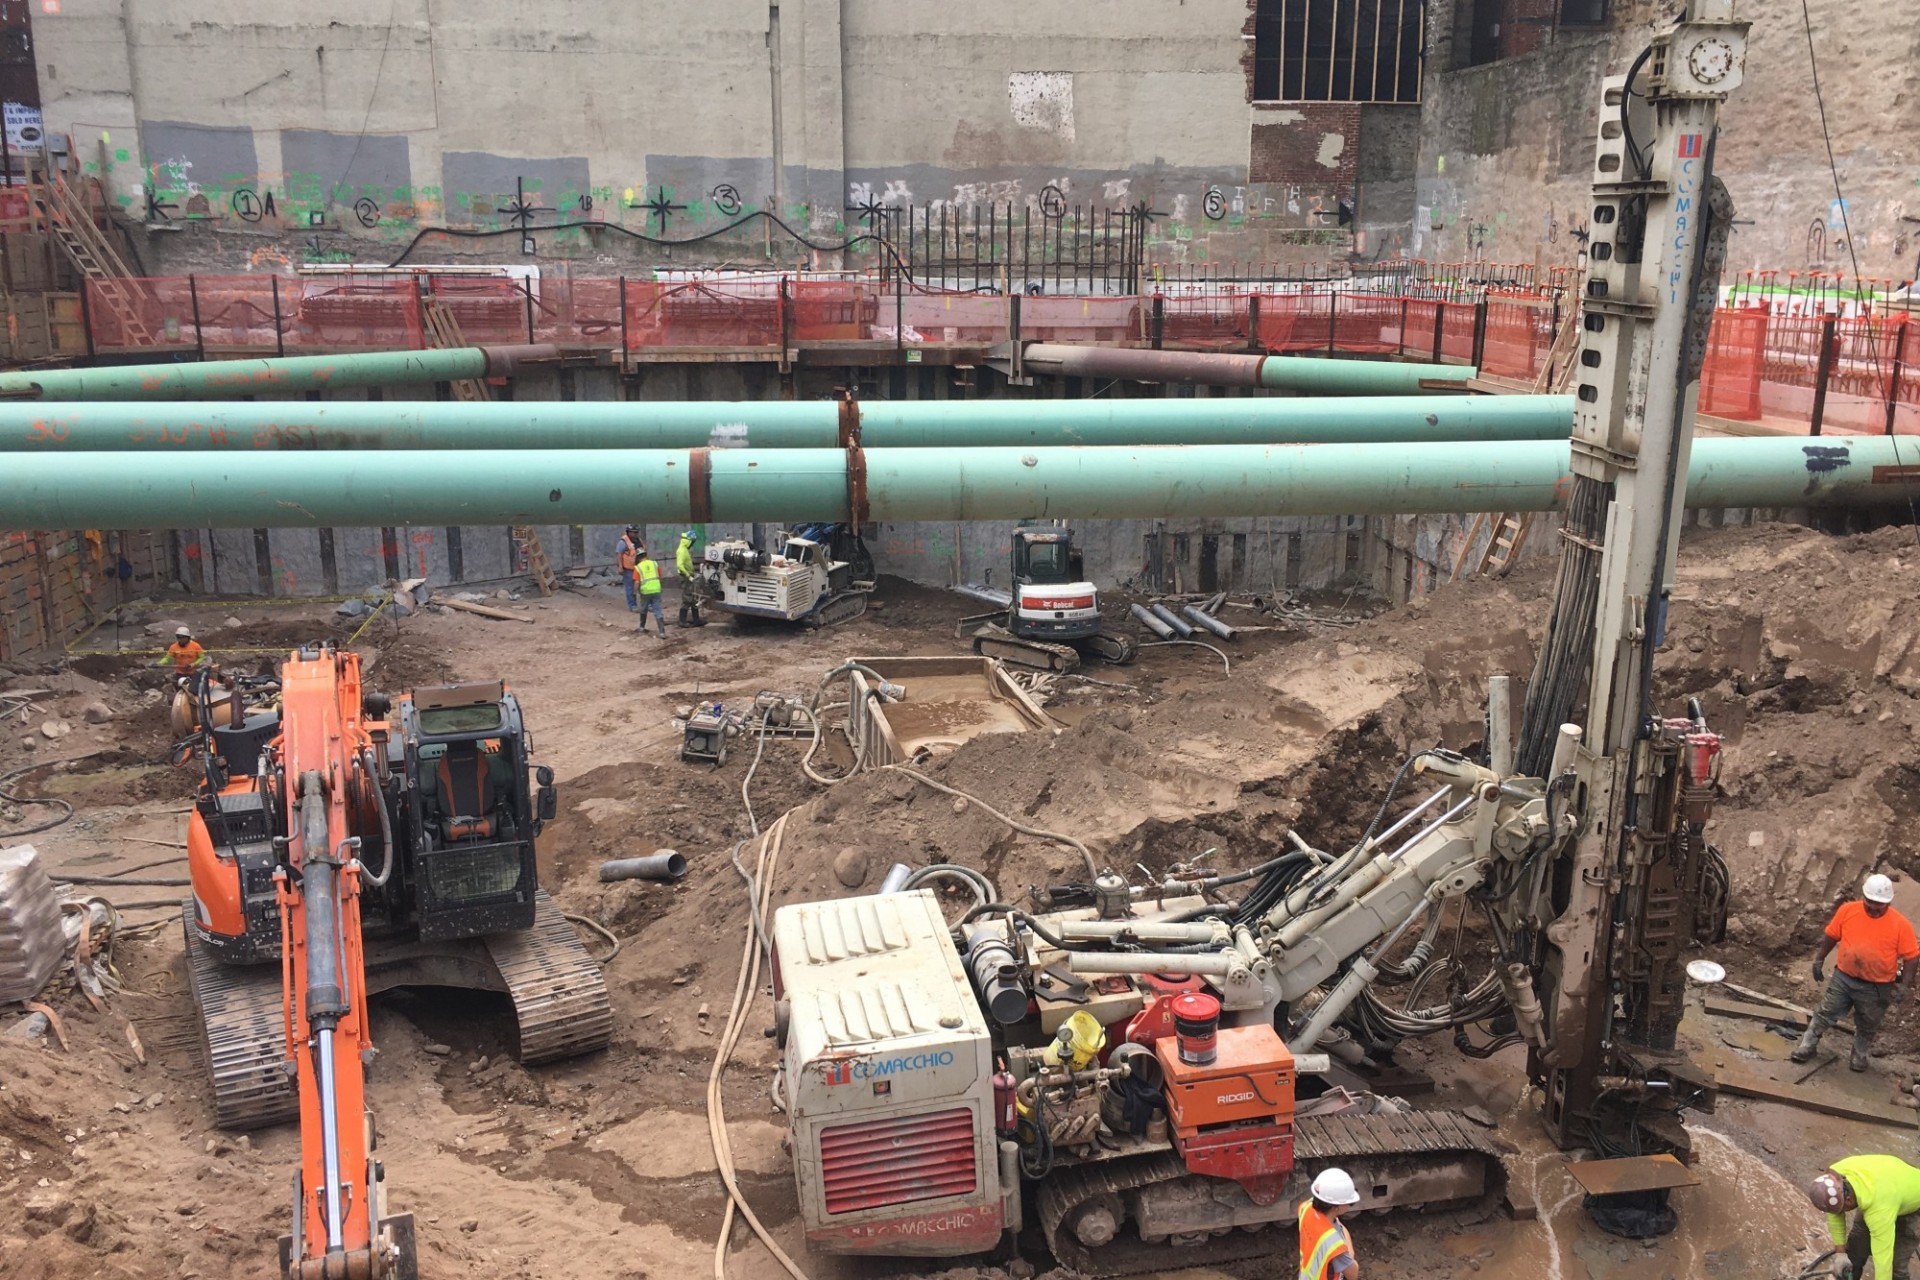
point(1200, 618)
point(1285, 373)
point(1173, 620)
point(214, 379)
point(1145, 617)
point(667, 865)
point(300, 425)
point(507, 487)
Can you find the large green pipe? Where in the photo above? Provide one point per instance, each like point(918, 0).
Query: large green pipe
point(211, 379)
point(1307, 374)
point(809, 424)
point(504, 487)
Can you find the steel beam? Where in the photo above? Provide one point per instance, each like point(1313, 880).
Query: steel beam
point(812, 424)
point(507, 487)
point(213, 379)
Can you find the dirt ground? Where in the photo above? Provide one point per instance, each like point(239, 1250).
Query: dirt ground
point(1801, 646)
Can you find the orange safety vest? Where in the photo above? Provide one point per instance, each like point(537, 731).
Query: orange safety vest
point(626, 553)
point(185, 656)
point(1321, 1241)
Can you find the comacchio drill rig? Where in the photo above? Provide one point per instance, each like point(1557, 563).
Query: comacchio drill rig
point(343, 843)
point(1153, 1078)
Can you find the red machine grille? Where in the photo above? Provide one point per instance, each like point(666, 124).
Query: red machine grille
point(882, 1162)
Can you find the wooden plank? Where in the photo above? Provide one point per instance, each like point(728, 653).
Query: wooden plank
point(484, 611)
point(1764, 1013)
point(1824, 1101)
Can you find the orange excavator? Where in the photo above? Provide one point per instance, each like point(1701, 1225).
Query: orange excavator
point(362, 843)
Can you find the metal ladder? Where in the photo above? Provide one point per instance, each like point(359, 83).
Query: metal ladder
point(1508, 532)
point(538, 565)
point(443, 331)
point(103, 272)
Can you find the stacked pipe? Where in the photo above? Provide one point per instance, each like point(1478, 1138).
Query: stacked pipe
point(115, 464)
point(611, 486)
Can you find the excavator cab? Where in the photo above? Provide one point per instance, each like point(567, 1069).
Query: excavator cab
point(474, 815)
point(1045, 556)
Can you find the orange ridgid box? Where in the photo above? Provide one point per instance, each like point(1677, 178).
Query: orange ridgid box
point(1250, 1079)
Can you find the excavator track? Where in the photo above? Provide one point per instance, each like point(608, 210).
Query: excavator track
point(998, 642)
point(243, 1031)
point(558, 991)
point(1417, 1152)
point(1109, 647)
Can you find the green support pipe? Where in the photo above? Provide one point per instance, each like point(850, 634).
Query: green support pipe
point(1306, 374)
point(213, 379)
point(811, 424)
point(507, 487)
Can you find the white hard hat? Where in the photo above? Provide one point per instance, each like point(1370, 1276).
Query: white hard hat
point(183, 634)
point(1333, 1186)
point(1877, 889)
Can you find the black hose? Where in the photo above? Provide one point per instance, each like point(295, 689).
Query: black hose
point(386, 823)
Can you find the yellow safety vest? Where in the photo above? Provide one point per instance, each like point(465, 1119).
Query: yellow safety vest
point(1321, 1241)
point(647, 574)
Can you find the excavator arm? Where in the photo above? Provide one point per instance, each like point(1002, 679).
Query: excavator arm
point(338, 1231)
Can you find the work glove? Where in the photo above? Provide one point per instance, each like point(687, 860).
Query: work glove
point(1819, 972)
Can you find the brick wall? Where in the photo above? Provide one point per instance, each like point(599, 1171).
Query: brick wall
point(1313, 145)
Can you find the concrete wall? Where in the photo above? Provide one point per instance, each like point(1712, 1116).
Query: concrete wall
point(1506, 148)
point(274, 132)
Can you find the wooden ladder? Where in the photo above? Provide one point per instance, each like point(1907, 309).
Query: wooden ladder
point(528, 542)
point(1508, 532)
point(443, 332)
point(70, 219)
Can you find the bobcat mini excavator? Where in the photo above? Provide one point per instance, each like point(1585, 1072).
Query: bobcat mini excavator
point(1052, 617)
point(339, 846)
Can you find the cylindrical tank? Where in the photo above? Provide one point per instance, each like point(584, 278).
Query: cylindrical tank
point(1196, 1022)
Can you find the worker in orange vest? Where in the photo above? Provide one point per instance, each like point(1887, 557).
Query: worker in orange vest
point(629, 553)
point(184, 653)
point(1326, 1250)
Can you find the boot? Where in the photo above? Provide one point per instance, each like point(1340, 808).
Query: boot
point(1860, 1048)
point(1810, 1042)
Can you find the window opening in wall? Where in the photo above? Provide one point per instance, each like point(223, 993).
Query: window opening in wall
point(1338, 50)
point(1583, 13)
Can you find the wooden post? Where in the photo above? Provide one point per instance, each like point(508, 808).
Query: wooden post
point(1893, 378)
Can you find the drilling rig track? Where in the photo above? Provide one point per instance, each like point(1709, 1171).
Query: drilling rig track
point(1371, 1147)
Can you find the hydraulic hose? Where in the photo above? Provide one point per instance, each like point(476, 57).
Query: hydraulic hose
point(386, 822)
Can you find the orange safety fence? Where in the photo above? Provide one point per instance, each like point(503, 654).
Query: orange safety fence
point(1518, 336)
point(577, 312)
point(701, 313)
point(1217, 321)
point(834, 310)
point(347, 313)
point(1730, 373)
point(485, 310)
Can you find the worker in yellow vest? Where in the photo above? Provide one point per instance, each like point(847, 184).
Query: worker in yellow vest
point(1885, 1191)
point(645, 580)
point(1326, 1250)
point(691, 587)
point(629, 552)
